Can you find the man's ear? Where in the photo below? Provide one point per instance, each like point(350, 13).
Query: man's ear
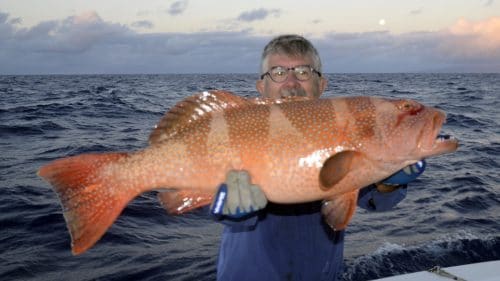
point(322, 85)
point(259, 85)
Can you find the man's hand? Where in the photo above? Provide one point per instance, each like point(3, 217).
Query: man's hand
point(403, 177)
point(237, 197)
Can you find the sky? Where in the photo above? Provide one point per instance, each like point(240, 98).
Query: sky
point(227, 36)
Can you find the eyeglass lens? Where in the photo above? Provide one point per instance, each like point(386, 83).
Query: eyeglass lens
point(280, 73)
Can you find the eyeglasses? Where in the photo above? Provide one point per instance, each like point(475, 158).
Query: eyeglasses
point(279, 74)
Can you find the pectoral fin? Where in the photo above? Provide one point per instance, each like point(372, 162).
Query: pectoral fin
point(339, 210)
point(337, 167)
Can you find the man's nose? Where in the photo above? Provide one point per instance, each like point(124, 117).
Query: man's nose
point(291, 79)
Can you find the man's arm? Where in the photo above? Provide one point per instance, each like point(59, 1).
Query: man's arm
point(387, 194)
point(238, 200)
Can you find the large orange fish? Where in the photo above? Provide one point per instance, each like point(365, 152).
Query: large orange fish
point(295, 150)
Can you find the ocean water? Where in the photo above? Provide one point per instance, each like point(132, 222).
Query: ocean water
point(451, 215)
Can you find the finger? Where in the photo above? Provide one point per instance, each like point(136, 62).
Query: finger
point(259, 199)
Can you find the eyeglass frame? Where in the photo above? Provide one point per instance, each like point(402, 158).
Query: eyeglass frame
point(313, 70)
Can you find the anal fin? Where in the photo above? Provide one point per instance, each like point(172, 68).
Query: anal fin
point(177, 202)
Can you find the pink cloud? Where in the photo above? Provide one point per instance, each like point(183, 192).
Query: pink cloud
point(87, 17)
point(476, 37)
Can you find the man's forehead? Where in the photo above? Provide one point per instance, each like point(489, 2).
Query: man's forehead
point(288, 61)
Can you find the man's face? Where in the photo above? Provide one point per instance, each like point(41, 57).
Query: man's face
point(313, 87)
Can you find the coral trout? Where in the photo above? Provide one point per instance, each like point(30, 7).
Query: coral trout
point(295, 149)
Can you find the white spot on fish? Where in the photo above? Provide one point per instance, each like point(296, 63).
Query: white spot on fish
point(338, 148)
point(206, 108)
point(199, 111)
point(315, 159)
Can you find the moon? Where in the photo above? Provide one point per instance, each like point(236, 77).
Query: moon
point(381, 22)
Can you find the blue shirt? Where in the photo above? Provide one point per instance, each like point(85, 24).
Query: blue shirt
point(290, 242)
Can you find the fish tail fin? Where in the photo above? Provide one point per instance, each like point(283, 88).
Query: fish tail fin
point(91, 196)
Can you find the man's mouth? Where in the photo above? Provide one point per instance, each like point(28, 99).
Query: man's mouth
point(293, 92)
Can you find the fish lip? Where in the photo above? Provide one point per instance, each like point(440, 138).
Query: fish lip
point(444, 145)
point(438, 143)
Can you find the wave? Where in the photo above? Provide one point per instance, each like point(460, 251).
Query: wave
point(393, 259)
point(30, 129)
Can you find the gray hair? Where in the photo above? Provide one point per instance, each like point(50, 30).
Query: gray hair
point(293, 46)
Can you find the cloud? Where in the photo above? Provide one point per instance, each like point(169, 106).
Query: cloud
point(464, 47)
point(258, 14)
point(73, 34)
point(488, 3)
point(86, 43)
point(475, 38)
point(416, 12)
point(145, 24)
point(178, 7)
point(3, 17)
point(6, 27)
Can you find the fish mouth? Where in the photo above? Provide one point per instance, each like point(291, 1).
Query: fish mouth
point(438, 143)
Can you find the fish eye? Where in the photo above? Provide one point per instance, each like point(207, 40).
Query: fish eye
point(405, 105)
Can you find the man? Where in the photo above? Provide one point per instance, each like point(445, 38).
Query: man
point(289, 242)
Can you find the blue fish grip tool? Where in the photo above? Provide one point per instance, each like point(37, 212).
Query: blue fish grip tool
point(219, 208)
point(407, 174)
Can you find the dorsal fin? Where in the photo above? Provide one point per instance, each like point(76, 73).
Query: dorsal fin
point(194, 108)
